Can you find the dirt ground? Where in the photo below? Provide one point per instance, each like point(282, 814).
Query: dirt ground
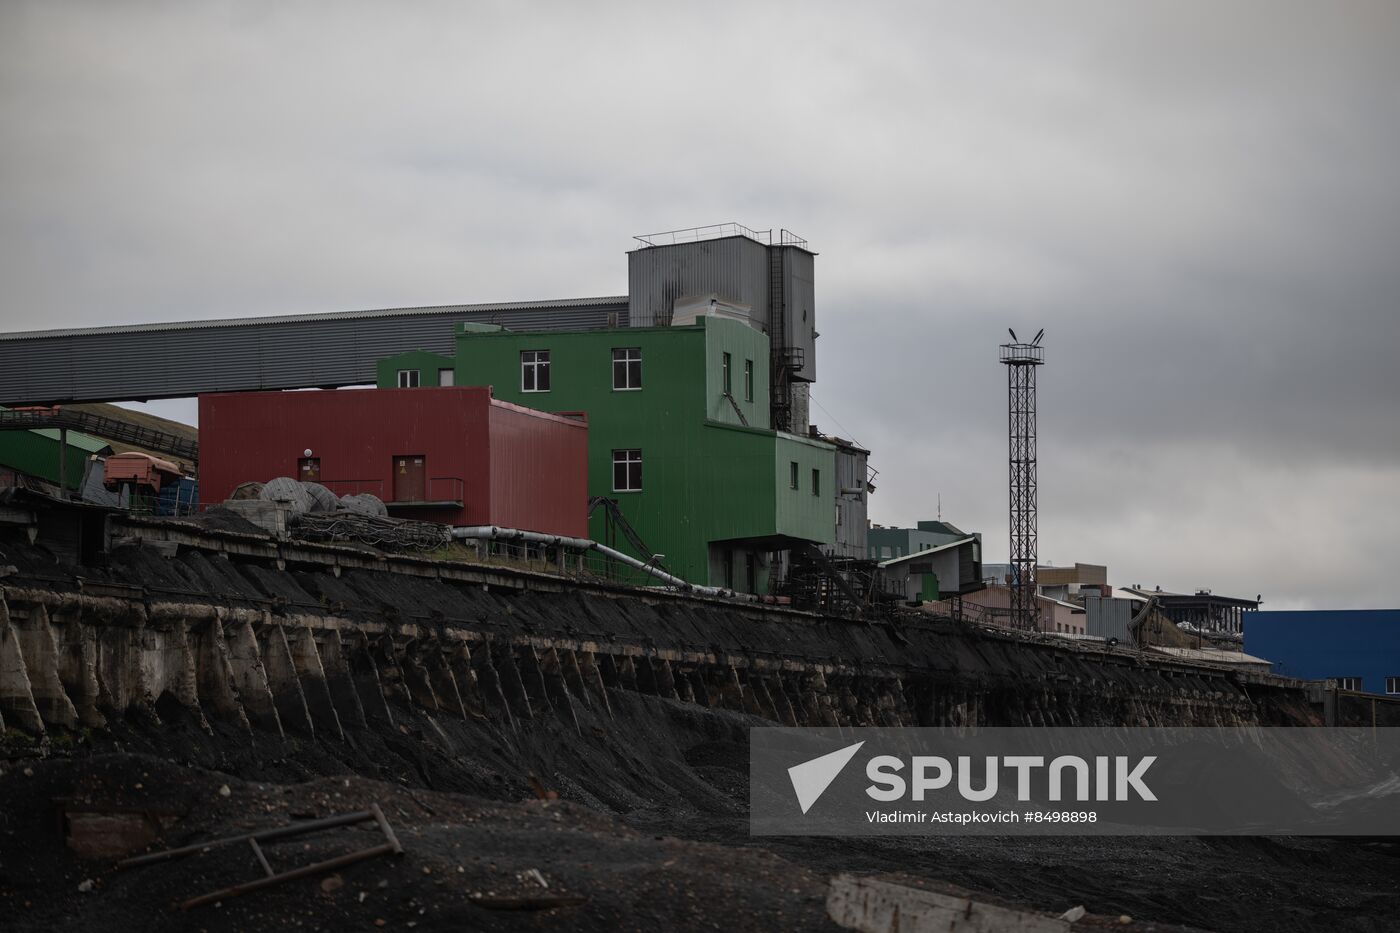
point(648, 832)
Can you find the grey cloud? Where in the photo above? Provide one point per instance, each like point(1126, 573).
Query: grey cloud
point(1195, 199)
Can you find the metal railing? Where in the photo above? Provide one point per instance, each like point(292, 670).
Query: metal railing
point(438, 489)
point(446, 489)
point(354, 487)
point(716, 231)
point(1022, 353)
point(100, 426)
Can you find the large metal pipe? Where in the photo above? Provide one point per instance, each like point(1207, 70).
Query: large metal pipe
point(495, 533)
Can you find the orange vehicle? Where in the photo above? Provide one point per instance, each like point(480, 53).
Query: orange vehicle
point(141, 470)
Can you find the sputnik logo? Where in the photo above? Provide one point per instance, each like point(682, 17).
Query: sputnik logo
point(811, 778)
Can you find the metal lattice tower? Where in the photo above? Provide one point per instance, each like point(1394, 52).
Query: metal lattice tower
point(1020, 360)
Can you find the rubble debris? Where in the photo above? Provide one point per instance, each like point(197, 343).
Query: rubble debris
point(390, 846)
point(525, 901)
point(878, 906)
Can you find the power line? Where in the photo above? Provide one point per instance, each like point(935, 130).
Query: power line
point(844, 429)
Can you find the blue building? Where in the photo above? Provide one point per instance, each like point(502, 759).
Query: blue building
point(1360, 648)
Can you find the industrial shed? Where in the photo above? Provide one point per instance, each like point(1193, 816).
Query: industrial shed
point(451, 455)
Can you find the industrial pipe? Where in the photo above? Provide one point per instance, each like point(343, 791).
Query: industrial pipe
point(494, 533)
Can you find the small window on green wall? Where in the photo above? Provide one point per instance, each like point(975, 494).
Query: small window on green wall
point(748, 380)
point(816, 482)
point(534, 371)
point(792, 478)
point(627, 368)
point(727, 386)
point(627, 470)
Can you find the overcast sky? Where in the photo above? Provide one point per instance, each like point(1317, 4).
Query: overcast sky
point(1198, 201)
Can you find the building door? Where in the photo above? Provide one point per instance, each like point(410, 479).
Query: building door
point(410, 484)
point(309, 469)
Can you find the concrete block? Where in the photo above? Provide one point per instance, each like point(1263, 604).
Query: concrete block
point(214, 677)
point(459, 659)
point(272, 517)
point(306, 657)
point(17, 705)
point(340, 681)
point(40, 651)
point(283, 681)
point(444, 681)
point(167, 666)
point(364, 672)
point(77, 666)
point(250, 677)
point(415, 678)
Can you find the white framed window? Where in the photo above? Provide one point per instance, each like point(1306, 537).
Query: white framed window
point(1348, 683)
point(816, 482)
point(792, 474)
point(627, 368)
point(445, 377)
point(627, 470)
point(748, 380)
point(408, 379)
point(1392, 686)
point(534, 370)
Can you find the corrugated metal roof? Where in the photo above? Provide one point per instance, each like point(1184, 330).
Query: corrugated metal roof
point(75, 439)
point(933, 550)
point(446, 310)
point(1219, 656)
point(84, 442)
point(186, 358)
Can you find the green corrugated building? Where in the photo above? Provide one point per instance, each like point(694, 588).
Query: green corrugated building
point(678, 434)
point(414, 369)
point(34, 452)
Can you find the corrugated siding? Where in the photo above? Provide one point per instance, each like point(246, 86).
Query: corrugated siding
point(356, 434)
point(851, 531)
point(36, 453)
point(539, 472)
point(799, 290)
point(735, 268)
point(1109, 618)
point(179, 361)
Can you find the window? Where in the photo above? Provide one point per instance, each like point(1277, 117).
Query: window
point(792, 474)
point(748, 380)
point(728, 389)
point(838, 515)
point(1348, 683)
point(627, 470)
point(816, 482)
point(445, 377)
point(408, 379)
point(627, 368)
point(534, 370)
point(1392, 686)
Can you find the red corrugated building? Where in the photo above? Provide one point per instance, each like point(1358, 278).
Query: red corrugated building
point(452, 455)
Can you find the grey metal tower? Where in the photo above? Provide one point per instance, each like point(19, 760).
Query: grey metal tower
point(1020, 360)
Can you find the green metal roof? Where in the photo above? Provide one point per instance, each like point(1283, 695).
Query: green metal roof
point(81, 441)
